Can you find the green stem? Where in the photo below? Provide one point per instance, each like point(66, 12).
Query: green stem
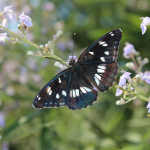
point(143, 98)
point(16, 35)
point(133, 93)
point(58, 58)
point(53, 56)
point(138, 68)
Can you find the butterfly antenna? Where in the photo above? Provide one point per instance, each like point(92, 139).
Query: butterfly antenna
point(73, 44)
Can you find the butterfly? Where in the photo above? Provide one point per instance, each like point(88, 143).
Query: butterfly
point(77, 87)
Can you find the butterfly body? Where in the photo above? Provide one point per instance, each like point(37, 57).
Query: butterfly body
point(76, 87)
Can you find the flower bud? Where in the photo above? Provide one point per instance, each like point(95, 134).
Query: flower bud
point(41, 47)
point(30, 53)
point(59, 65)
point(46, 45)
point(145, 61)
point(125, 87)
point(19, 26)
point(131, 65)
point(138, 76)
point(120, 102)
point(49, 44)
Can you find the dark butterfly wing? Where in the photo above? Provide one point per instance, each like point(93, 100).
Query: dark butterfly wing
point(102, 51)
point(102, 76)
point(56, 92)
point(82, 93)
point(65, 89)
point(99, 60)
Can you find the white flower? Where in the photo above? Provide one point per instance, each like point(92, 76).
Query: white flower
point(4, 37)
point(144, 24)
point(129, 51)
point(59, 65)
point(122, 82)
point(25, 20)
point(7, 13)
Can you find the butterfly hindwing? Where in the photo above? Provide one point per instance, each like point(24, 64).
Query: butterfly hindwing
point(81, 93)
point(102, 51)
point(102, 76)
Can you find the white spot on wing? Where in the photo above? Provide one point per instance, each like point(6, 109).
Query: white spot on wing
point(64, 93)
point(101, 43)
point(102, 67)
point(59, 80)
point(77, 92)
point(50, 92)
point(105, 45)
point(112, 34)
point(57, 96)
point(96, 80)
point(92, 53)
point(74, 94)
point(83, 90)
point(70, 93)
point(102, 59)
point(106, 52)
point(100, 71)
point(48, 89)
point(87, 89)
point(39, 98)
point(97, 76)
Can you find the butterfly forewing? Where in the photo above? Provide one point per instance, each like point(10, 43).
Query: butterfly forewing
point(103, 51)
point(99, 60)
point(54, 93)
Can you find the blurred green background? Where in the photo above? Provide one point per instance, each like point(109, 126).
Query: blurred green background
point(104, 125)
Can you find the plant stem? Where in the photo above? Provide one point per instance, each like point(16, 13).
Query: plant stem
point(133, 93)
point(143, 97)
point(133, 59)
point(22, 38)
point(33, 44)
point(58, 58)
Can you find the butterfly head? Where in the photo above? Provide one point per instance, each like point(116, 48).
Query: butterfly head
point(72, 60)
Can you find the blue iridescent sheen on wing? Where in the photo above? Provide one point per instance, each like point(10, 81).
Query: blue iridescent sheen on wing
point(82, 92)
